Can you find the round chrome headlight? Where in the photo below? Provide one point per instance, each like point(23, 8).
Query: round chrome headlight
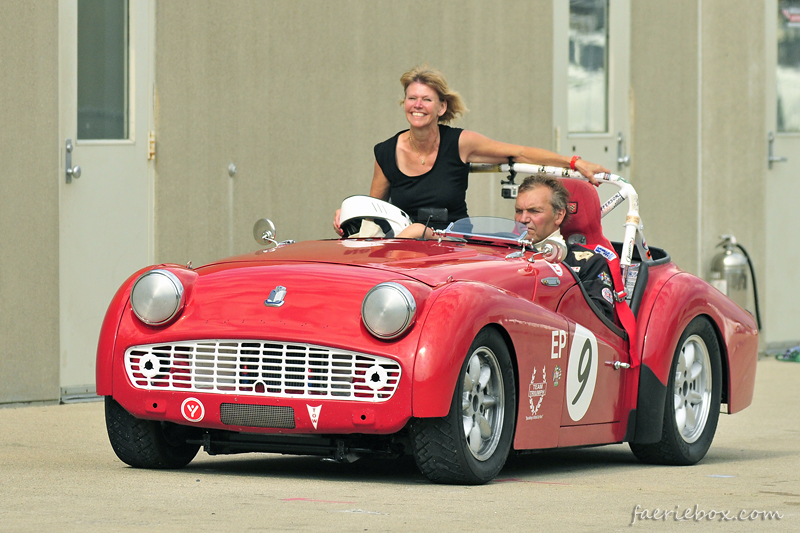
point(157, 296)
point(388, 310)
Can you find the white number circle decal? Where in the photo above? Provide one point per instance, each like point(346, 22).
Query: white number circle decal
point(581, 372)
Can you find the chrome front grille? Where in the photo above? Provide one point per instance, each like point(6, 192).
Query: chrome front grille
point(262, 368)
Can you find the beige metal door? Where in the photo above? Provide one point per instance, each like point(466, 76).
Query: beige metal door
point(591, 89)
point(106, 228)
point(782, 295)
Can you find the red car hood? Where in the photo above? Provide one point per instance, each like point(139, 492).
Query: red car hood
point(325, 283)
point(429, 261)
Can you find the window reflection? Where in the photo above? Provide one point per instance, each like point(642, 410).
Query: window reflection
point(102, 69)
point(788, 74)
point(587, 96)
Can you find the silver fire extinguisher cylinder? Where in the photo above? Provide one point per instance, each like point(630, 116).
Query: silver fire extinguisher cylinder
point(729, 271)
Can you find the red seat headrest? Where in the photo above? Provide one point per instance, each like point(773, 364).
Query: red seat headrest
point(584, 213)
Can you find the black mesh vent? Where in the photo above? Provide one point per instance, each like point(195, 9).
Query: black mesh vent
point(257, 416)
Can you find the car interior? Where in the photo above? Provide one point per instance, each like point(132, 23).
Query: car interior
point(583, 226)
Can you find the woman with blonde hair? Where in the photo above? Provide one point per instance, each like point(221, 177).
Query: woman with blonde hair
point(427, 165)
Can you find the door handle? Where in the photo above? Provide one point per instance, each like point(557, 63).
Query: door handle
point(771, 158)
point(72, 172)
point(622, 160)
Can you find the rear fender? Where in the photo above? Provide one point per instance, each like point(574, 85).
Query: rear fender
point(682, 298)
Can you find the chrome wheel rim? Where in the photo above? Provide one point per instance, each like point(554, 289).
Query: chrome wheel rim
point(482, 403)
point(692, 393)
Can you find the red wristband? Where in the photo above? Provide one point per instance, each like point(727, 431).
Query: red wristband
point(572, 163)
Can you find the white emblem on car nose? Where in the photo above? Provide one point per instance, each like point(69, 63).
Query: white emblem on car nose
point(276, 297)
point(376, 377)
point(313, 413)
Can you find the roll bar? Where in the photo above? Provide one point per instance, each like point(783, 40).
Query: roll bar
point(633, 223)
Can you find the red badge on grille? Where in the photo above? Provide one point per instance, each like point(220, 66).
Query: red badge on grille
point(192, 410)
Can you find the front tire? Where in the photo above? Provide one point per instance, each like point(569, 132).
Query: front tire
point(471, 444)
point(145, 443)
point(692, 406)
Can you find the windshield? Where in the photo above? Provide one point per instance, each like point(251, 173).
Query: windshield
point(488, 228)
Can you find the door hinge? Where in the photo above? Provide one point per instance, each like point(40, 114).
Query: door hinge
point(72, 172)
point(623, 159)
point(151, 151)
point(771, 157)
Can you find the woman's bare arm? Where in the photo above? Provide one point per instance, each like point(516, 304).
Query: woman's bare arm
point(476, 148)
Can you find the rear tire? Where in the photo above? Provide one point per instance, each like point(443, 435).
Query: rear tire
point(145, 443)
point(692, 406)
point(471, 444)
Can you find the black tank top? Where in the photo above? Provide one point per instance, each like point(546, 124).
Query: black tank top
point(444, 185)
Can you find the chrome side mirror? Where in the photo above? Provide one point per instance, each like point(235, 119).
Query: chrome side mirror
point(554, 251)
point(264, 232)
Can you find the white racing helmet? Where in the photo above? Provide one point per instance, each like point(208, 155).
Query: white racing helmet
point(370, 211)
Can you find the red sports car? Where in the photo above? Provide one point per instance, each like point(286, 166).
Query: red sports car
point(456, 350)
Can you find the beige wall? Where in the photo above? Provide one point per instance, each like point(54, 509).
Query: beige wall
point(29, 359)
point(733, 128)
point(296, 93)
point(664, 148)
point(699, 177)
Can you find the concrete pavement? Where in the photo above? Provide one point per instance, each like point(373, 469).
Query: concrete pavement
point(58, 473)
